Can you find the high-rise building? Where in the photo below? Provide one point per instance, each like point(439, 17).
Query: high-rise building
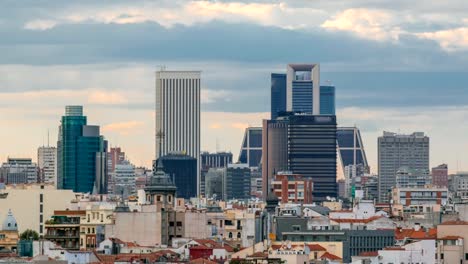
point(46, 160)
point(396, 151)
point(299, 91)
point(278, 94)
point(178, 114)
point(212, 160)
point(251, 149)
point(19, 170)
point(350, 147)
point(182, 169)
point(214, 183)
point(440, 175)
point(304, 144)
point(237, 181)
point(81, 154)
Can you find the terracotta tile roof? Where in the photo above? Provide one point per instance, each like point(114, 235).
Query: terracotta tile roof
point(107, 258)
point(316, 247)
point(450, 238)
point(202, 261)
point(454, 223)
point(401, 233)
point(369, 254)
point(69, 212)
point(258, 255)
point(201, 247)
point(329, 256)
point(352, 220)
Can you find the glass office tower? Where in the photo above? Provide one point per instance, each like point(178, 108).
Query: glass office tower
point(278, 94)
point(80, 154)
point(251, 150)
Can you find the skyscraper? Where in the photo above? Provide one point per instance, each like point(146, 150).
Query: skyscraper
point(278, 94)
point(350, 147)
point(396, 151)
point(178, 114)
point(299, 90)
point(212, 160)
point(46, 161)
point(251, 149)
point(81, 154)
point(237, 181)
point(304, 144)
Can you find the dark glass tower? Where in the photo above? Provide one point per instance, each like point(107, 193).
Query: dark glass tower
point(327, 100)
point(303, 144)
point(251, 150)
point(278, 94)
point(183, 171)
point(80, 154)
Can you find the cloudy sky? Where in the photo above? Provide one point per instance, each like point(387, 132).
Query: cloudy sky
point(397, 65)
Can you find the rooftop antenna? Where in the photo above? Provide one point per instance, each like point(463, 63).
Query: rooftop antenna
point(47, 137)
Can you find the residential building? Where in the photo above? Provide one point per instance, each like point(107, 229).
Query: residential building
point(64, 228)
point(292, 188)
point(451, 242)
point(411, 178)
point(182, 169)
point(19, 170)
point(368, 184)
point(42, 201)
point(46, 161)
point(251, 149)
point(115, 156)
point(304, 144)
point(237, 181)
point(212, 160)
point(396, 151)
point(178, 114)
point(440, 175)
point(92, 225)
point(341, 185)
point(81, 154)
point(351, 172)
point(419, 203)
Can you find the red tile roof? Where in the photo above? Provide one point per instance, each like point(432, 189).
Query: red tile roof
point(450, 238)
point(329, 256)
point(458, 222)
point(369, 254)
point(401, 233)
point(202, 261)
point(316, 247)
point(258, 255)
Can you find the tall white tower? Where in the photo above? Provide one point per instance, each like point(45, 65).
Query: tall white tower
point(178, 114)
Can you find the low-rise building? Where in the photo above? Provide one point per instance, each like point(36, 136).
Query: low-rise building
point(9, 236)
point(452, 246)
point(419, 203)
point(64, 229)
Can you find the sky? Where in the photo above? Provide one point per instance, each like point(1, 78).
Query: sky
point(397, 66)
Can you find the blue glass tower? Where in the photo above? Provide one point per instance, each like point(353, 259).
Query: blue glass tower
point(278, 94)
point(251, 150)
point(81, 154)
point(327, 100)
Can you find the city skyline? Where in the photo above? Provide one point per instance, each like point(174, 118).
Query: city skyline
point(376, 92)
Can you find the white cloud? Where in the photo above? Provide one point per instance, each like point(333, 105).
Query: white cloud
point(450, 39)
point(366, 23)
point(211, 96)
point(40, 24)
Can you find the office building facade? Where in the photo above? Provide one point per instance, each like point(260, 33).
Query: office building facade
point(124, 179)
point(304, 144)
point(19, 170)
point(237, 181)
point(81, 154)
point(299, 90)
point(214, 183)
point(396, 151)
point(251, 149)
point(350, 147)
point(411, 178)
point(178, 114)
point(212, 160)
point(182, 169)
point(46, 161)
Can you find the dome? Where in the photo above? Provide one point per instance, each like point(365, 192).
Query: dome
point(9, 224)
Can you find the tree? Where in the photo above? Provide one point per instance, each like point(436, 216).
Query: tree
point(29, 234)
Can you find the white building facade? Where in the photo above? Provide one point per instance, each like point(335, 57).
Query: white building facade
point(46, 161)
point(178, 114)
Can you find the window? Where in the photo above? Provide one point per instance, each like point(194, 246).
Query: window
point(171, 223)
point(239, 235)
point(230, 235)
point(296, 228)
point(41, 198)
point(41, 208)
point(41, 229)
point(179, 223)
point(40, 219)
point(441, 255)
point(466, 256)
point(2, 236)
